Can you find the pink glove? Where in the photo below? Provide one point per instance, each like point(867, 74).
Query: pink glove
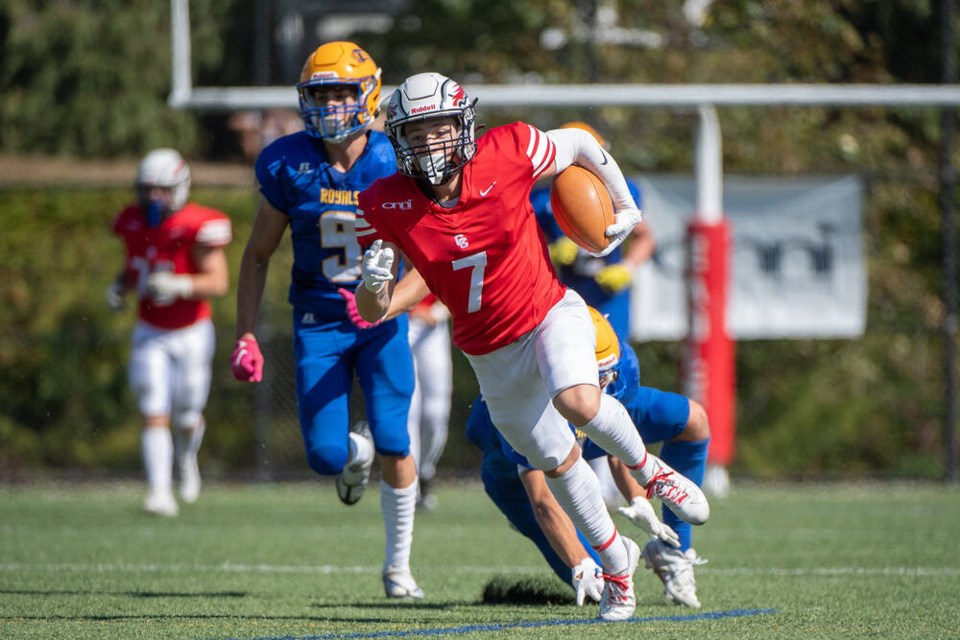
point(247, 361)
point(352, 311)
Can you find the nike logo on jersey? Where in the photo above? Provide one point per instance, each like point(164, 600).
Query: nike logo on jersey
point(484, 192)
point(604, 158)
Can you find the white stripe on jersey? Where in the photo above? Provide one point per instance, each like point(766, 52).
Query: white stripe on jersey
point(361, 227)
point(540, 150)
point(215, 233)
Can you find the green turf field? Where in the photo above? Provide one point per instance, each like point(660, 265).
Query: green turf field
point(288, 561)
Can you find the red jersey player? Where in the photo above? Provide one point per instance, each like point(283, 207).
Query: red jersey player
point(459, 210)
point(175, 261)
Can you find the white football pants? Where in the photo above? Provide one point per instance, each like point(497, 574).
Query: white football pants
point(429, 417)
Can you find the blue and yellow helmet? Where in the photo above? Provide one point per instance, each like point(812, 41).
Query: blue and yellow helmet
point(339, 63)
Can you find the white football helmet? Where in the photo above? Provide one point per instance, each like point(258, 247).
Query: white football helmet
point(163, 184)
point(422, 97)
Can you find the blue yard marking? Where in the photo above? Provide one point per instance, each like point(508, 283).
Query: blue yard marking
point(713, 615)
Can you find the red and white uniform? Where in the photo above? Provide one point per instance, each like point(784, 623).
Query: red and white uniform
point(172, 345)
point(169, 247)
point(485, 257)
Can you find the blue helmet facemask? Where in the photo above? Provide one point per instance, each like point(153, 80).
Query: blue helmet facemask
point(156, 212)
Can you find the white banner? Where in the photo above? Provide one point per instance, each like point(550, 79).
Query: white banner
point(797, 263)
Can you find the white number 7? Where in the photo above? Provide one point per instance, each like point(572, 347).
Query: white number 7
point(478, 263)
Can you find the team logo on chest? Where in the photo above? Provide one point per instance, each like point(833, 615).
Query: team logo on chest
point(461, 241)
point(404, 205)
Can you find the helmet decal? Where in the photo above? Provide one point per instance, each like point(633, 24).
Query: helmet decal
point(360, 55)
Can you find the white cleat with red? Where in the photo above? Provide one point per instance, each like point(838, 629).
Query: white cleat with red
point(618, 601)
point(677, 492)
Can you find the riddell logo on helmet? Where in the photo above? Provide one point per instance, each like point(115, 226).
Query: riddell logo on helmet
point(429, 107)
point(322, 75)
point(608, 362)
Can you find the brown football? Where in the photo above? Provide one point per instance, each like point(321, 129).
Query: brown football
point(582, 207)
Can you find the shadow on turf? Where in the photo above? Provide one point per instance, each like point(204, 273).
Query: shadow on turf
point(535, 590)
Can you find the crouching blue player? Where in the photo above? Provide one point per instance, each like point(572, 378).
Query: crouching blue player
point(522, 495)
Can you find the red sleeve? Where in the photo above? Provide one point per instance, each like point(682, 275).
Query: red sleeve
point(536, 150)
point(208, 227)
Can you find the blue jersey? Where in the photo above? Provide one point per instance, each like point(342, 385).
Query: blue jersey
point(296, 178)
point(580, 276)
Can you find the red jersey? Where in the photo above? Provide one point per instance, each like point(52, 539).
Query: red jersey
point(485, 258)
point(169, 247)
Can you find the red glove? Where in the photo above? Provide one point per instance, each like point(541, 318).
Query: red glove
point(247, 361)
point(352, 311)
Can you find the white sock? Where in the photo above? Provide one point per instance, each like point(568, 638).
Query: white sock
point(578, 492)
point(361, 450)
point(156, 444)
point(186, 442)
point(398, 507)
point(614, 432)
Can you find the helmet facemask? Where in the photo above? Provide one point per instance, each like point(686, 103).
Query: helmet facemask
point(159, 202)
point(609, 371)
point(436, 161)
point(335, 122)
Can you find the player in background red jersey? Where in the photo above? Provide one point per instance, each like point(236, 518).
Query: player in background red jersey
point(174, 262)
point(459, 210)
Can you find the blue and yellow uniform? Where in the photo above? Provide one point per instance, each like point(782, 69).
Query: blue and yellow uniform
point(297, 178)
